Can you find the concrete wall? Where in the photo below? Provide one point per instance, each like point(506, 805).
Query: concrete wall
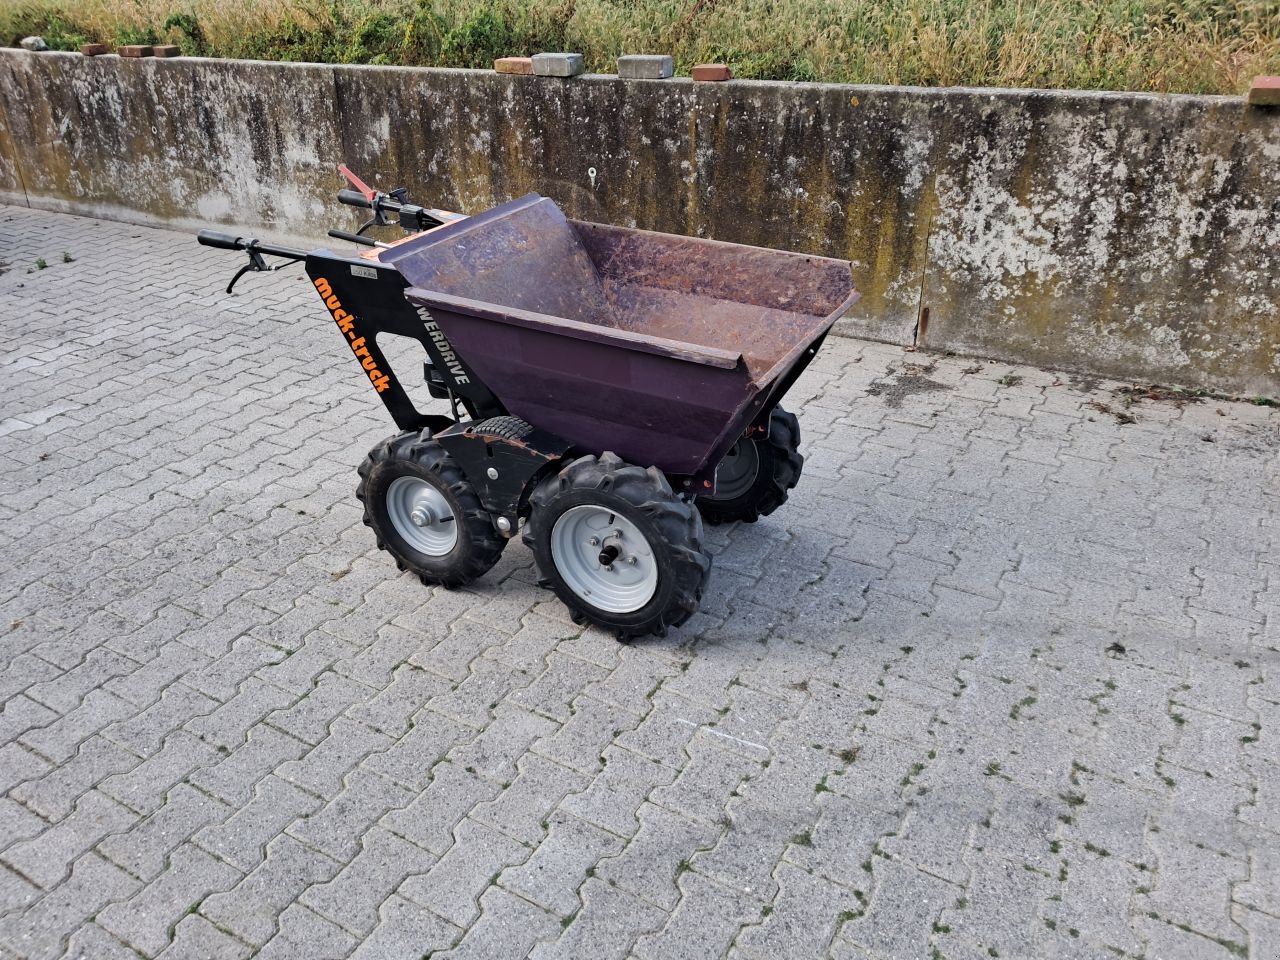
point(1118, 234)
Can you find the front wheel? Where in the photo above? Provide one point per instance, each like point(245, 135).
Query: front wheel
point(757, 473)
point(617, 546)
point(424, 512)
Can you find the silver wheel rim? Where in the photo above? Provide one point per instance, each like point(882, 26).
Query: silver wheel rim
point(737, 471)
point(422, 516)
point(580, 539)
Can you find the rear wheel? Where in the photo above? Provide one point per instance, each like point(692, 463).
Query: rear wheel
point(757, 474)
point(424, 512)
point(617, 546)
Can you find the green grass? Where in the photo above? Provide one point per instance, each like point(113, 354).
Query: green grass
point(1208, 46)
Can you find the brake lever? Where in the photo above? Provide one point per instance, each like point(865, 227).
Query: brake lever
point(257, 265)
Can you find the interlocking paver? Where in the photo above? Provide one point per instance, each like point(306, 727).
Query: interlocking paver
point(1003, 673)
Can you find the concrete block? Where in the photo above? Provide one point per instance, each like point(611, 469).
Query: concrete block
point(521, 66)
point(166, 51)
point(135, 50)
point(712, 71)
point(645, 67)
point(1265, 92)
point(94, 49)
point(558, 64)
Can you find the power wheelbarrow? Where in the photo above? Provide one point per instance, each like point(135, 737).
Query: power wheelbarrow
point(610, 390)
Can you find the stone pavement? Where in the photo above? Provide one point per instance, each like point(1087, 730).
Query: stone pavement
point(1001, 680)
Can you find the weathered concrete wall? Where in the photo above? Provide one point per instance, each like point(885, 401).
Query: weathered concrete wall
point(1126, 235)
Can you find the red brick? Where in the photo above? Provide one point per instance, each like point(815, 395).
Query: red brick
point(1265, 92)
point(134, 50)
point(712, 71)
point(519, 65)
point(169, 50)
point(94, 49)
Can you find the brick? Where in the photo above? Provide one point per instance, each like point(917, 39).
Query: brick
point(242, 839)
point(453, 886)
point(147, 920)
point(336, 828)
point(249, 910)
point(704, 923)
point(94, 49)
point(144, 851)
point(561, 863)
point(645, 67)
point(304, 933)
point(44, 928)
point(712, 72)
point(45, 859)
point(521, 66)
point(352, 898)
point(558, 64)
point(406, 931)
point(1265, 92)
point(166, 51)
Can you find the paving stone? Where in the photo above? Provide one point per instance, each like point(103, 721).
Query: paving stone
point(304, 933)
point(802, 918)
point(704, 785)
point(406, 931)
point(616, 793)
point(250, 910)
point(145, 849)
point(54, 796)
point(60, 740)
point(242, 838)
point(352, 898)
point(46, 858)
point(91, 942)
point(43, 929)
point(197, 937)
point(146, 921)
point(336, 828)
point(453, 886)
point(902, 909)
point(703, 924)
point(228, 726)
point(310, 717)
point(658, 854)
point(521, 810)
point(235, 772)
point(431, 818)
point(607, 926)
point(551, 876)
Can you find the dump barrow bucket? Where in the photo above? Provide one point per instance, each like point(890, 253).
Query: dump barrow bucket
point(660, 348)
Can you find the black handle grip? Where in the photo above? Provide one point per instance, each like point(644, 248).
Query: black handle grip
point(353, 238)
point(223, 241)
point(354, 198)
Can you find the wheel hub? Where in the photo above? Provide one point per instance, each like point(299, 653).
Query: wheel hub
point(604, 558)
point(422, 516)
point(737, 471)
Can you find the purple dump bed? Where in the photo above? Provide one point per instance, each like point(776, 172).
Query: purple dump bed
point(657, 347)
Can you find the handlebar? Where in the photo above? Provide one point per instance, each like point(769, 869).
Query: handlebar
point(223, 241)
point(226, 241)
point(354, 198)
point(409, 216)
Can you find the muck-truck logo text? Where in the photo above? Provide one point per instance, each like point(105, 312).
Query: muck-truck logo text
point(346, 323)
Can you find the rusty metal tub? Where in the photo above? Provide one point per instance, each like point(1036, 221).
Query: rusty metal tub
point(660, 348)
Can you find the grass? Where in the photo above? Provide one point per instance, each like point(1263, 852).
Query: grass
point(1198, 46)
